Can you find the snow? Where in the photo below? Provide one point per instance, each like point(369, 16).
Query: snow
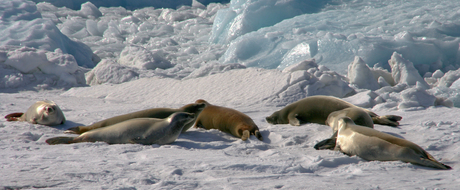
point(99, 60)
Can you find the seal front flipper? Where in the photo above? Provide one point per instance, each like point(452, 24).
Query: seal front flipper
point(293, 120)
point(326, 144)
point(390, 120)
point(258, 135)
point(13, 116)
point(245, 135)
point(60, 140)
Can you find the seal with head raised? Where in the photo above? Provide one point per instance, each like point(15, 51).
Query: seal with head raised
point(370, 144)
point(144, 131)
point(227, 120)
point(358, 115)
point(316, 109)
point(44, 112)
point(160, 113)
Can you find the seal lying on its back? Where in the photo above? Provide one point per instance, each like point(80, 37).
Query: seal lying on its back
point(160, 113)
point(44, 112)
point(371, 144)
point(144, 131)
point(316, 109)
point(358, 115)
point(227, 120)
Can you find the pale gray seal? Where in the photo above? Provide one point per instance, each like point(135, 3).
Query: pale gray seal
point(144, 131)
point(358, 115)
point(44, 112)
point(370, 144)
point(160, 113)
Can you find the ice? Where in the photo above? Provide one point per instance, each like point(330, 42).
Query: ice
point(336, 35)
point(361, 75)
point(110, 72)
point(142, 58)
point(275, 63)
point(22, 25)
point(416, 97)
point(29, 66)
point(403, 71)
point(250, 15)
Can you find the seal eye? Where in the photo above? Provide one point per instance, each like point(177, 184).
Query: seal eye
point(49, 110)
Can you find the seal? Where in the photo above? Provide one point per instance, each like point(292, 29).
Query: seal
point(359, 117)
point(144, 131)
point(160, 113)
point(370, 144)
point(227, 120)
point(44, 112)
point(316, 109)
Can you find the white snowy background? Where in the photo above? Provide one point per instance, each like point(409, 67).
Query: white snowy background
point(106, 58)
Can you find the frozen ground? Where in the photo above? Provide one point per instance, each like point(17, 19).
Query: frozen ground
point(398, 58)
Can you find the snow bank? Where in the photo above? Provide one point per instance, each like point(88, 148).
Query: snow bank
point(236, 87)
point(41, 69)
point(23, 25)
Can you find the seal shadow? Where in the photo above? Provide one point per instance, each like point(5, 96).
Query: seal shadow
point(68, 124)
point(206, 137)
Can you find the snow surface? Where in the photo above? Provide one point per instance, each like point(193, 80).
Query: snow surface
point(97, 62)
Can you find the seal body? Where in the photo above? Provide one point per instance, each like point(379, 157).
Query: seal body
point(316, 109)
point(371, 144)
point(227, 120)
point(358, 115)
point(144, 131)
point(44, 112)
point(160, 113)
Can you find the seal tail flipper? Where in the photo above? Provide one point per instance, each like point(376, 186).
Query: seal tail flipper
point(13, 116)
point(390, 120)
point(245, 135)
point(432, 163)
point(258, 135)
point(326, 144)
point(60, 140)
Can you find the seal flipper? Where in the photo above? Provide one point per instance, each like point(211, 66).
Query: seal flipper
point(293, 120)
point(390, 120)
point(60, 140)
point(245, 135)
point(326, 144)
point(13, 116)
point(74, 130)
point(258, 135)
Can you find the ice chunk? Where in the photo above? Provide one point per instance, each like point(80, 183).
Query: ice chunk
point(303, 65)
point(24, 66)
point(360, 75)
point(26, 59)
point(22, 25)
point(403, 71)
point(89, 10)
point(142, 58)
point(438, 74)
point(450, 78)
point(245, 16)
point(416, 97)
point(108, 71)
